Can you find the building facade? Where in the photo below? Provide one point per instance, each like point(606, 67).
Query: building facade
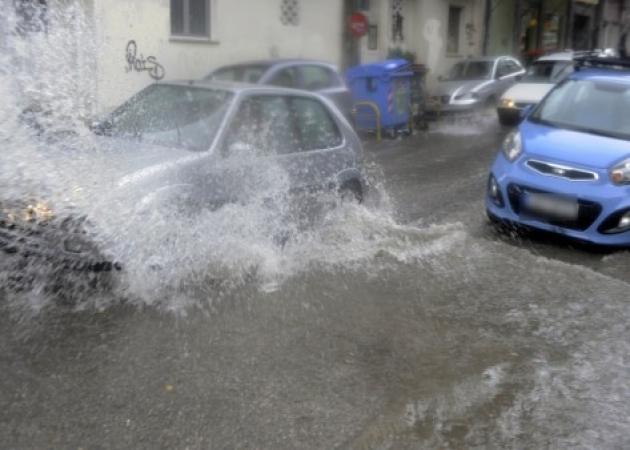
point(116, 47)
point(529, 28)
point(435, 33)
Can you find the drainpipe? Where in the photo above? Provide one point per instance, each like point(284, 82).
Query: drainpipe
point(486, 26)
point(516, 38)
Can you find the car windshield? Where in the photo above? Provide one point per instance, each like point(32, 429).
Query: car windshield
point(244, 74)
point(548, 71)
point(178, 116)
point(470, 70)
point(592, 106)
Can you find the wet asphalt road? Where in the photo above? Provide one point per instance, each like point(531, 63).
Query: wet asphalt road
point(423, 328)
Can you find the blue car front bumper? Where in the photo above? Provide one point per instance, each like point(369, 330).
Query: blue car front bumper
point(600, 202)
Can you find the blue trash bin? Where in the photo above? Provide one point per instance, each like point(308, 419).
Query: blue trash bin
point(388, 85)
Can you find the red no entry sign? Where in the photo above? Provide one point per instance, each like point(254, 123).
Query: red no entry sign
point(358, 24)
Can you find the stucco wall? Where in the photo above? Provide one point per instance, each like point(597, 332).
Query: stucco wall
point(501, 33)
point(242, 29)
point(431, 30)
point(425, 32)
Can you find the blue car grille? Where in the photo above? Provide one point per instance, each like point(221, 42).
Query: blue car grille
point(587, 213)
point(555, 170)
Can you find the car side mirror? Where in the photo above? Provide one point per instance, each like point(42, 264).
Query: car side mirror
point(525, 111)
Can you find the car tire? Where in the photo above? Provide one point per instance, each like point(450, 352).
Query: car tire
point(351, 191)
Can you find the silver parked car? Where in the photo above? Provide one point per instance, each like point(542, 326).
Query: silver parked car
point(475, 82)
point(178, 140)
point(310, 75)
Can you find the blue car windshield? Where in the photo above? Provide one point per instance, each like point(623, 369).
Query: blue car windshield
point(171, 115)
point(591, 106)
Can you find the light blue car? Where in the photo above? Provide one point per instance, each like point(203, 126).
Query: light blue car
point(566, 168)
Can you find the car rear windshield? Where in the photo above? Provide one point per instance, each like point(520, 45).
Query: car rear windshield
point(178, 116)
point(243, 74)
point(593, 106)
point(471, 70)
point(548, 71)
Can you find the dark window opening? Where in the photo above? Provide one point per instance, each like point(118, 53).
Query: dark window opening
point(454, 21)
point(190, 18)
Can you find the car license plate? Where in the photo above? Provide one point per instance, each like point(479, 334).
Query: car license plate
point(551, 206)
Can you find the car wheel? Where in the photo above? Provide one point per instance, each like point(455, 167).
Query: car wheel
point(351, 192)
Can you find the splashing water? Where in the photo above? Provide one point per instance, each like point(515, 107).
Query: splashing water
point(169, 257)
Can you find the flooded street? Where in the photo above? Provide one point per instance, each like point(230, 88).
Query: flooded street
point(405, 321)
point(418, 327)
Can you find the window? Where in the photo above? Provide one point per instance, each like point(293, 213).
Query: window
point(245, 74)
point(316, 128)
point(317, 77)
point(470, 70)
point(548, 71)
point(454, 20)
point(263, 125)
point(286, 78)
point(272, 124)
point(174, 116)
point(502, 68)
point(190, 18)
point(573, 103)
point(512, 66)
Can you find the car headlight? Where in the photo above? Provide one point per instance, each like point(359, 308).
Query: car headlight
point(620, 174)
point(31, 212)
point(507, 103)
point(512, 145)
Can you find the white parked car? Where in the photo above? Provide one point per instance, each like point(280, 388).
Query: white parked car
point(541, 76)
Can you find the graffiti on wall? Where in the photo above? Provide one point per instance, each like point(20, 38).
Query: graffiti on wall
point(142, 64)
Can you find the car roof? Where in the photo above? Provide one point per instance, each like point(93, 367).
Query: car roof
point(486, 58)
point(237, 87)
point(598, 73)
point(268, 63)
point(560, 56)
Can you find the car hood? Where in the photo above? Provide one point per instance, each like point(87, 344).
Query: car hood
point(118, 160)
point(96, 169)
point(528, 92)
point(583, 149)
point(459, 87)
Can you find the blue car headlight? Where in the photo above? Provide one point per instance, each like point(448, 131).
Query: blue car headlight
point(512, 145)
point(620, 174)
